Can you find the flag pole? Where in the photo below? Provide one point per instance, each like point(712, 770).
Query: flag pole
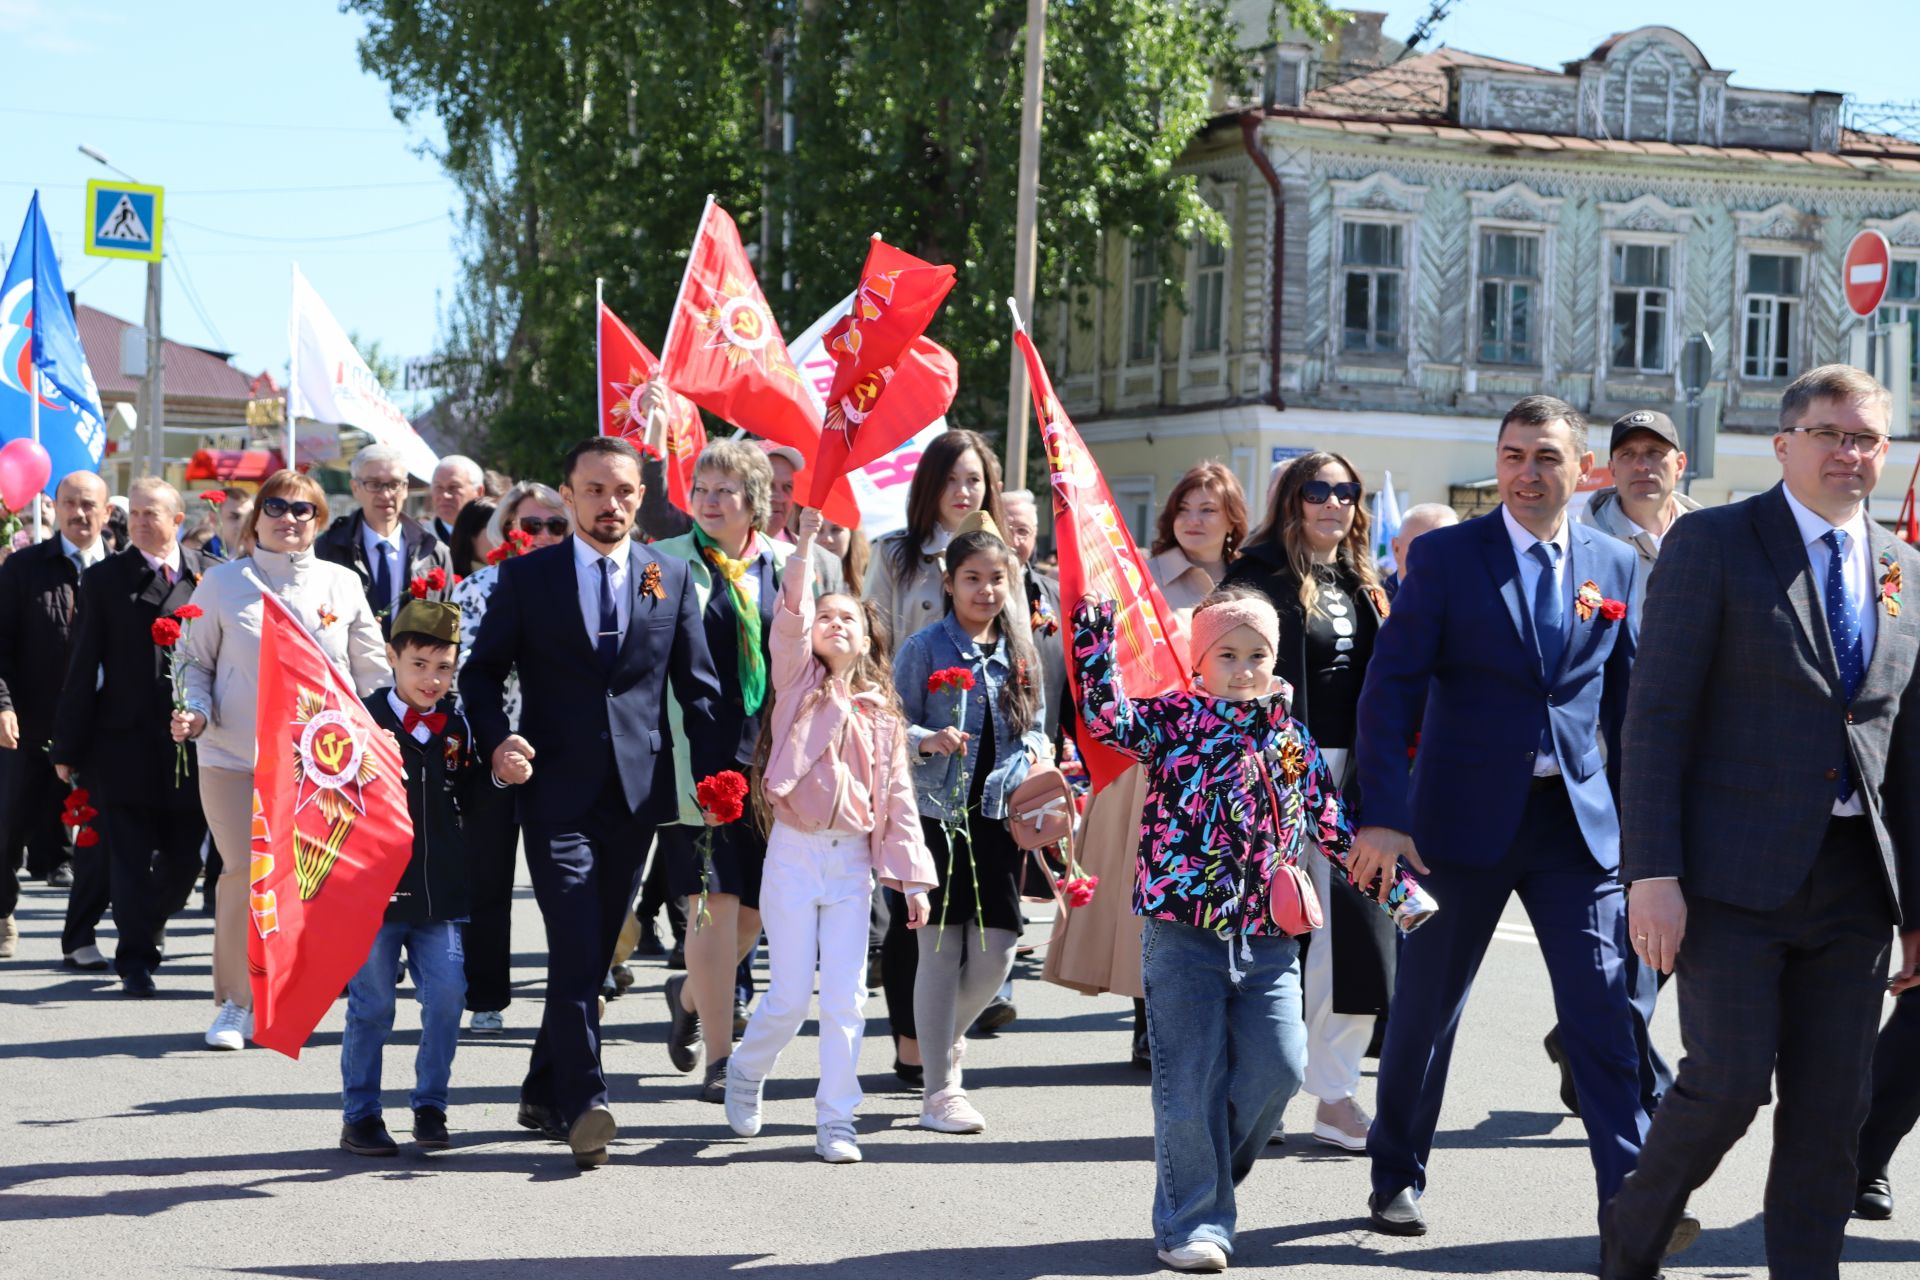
point(293, 358)
point(673, 317)
point(600, 383)
point(33, 361)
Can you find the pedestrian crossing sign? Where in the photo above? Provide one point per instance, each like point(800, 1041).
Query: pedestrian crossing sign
point(123, 220)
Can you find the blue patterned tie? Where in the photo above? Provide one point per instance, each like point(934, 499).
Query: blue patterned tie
point(1843, 625)
point(609, 638)
point(382, 584)
point(1549, 613)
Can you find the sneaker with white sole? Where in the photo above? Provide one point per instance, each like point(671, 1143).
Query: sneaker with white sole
point(743, 1102)
point(834, 1142)
point(1342, 1124)
point(1195, 1255)
point(246, 1023)
point(229, 1027)
point(948, 1111)
point(487, 1022)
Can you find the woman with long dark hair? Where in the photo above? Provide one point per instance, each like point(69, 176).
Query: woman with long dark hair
point(1316, 565)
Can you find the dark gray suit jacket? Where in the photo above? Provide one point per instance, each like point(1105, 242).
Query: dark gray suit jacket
point(1737, 724)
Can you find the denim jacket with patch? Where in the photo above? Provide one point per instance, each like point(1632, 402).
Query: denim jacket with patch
point(938, 779)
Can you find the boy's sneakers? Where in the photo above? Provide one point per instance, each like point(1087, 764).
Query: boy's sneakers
point(368, 1137)
point(834, 1142)
point(948, 1111)
point(229, 1029)
point(487, 1022)
point(743, 1104)
point(430, 1129)
point(1195, 1255)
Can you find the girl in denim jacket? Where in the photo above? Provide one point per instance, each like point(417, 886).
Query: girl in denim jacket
point(969, 684)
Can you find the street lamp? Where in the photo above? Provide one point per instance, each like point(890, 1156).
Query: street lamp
point(155, 414)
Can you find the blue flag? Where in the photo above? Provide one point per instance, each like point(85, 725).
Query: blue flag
point(40, 353)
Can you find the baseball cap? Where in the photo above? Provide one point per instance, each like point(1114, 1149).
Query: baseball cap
point(787, 451)
point(1651, 420)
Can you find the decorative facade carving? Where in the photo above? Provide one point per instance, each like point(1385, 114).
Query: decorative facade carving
point(1649, 213)
point(1902, 232)
point(1713, 105)
point(1593, 101)
point(1473, 102)
point(1781, 222)
point(1826, 122)
point(1380, 192)
point(1515, 202)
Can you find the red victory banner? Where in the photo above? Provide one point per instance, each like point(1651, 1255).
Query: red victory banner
point(888, 380)
point(625, 368)
point(331, 835)
point(724, 351)
point(1098, 558)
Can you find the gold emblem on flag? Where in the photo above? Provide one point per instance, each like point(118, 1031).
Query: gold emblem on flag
point(331, 768)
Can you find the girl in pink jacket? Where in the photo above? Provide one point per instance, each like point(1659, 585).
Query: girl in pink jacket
point(839, 794)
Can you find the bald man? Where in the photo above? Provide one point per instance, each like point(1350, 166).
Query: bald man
point(1420, 518)
point(39, 600)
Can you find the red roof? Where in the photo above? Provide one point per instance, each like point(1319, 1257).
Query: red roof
point(190, 371)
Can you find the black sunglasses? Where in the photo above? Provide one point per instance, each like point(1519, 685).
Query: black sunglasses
point(1318, 491)
point(555, 525)
point(274, 508)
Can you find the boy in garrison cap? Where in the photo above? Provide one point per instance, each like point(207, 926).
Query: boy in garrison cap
point(430, 903)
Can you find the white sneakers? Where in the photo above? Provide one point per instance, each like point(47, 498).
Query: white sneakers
point(231, 1027)
point(948, 1111)
point(743, 1107)
point(487, 1022)
point(1195, 1255)
point(833, 1142)
point(1342, 1124)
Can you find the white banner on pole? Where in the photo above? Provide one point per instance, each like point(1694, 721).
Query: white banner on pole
point(330, 382)
point(880, 487)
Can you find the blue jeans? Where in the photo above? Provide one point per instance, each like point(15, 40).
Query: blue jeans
point(438, 963)
point(1227, 1057)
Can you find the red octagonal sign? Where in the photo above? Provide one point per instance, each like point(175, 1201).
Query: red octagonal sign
point(1865, 272)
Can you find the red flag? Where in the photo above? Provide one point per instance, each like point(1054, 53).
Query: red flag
point(625, 369)
point(1098, 558)
point(331, 835)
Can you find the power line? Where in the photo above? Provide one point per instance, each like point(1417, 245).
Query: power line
point(352, 235)
point(178, 261)
point(196, 124)
point(240, 191)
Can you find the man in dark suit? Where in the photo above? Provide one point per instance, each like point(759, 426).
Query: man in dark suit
point(1772, 827)
point(111, 735)
point(595, 627)
point(385, 547)
point(39, 597)
point(1510, 634)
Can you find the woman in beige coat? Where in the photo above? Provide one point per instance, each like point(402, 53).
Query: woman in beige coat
point(222, 656)
point(1096, 948)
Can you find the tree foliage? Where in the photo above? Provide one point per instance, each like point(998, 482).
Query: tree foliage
point(585, 134)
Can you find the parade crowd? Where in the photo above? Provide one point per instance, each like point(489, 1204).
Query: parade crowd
point(1678, 734)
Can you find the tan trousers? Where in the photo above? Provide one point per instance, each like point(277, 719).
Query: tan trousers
point(226, 796)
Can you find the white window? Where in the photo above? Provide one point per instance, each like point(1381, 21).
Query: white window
point(1143, 305)
point(1511, 323)
point(1902, 305)
point(1373, 286)
point(1771, 312)
point(1209, 296)
point(1641, 276)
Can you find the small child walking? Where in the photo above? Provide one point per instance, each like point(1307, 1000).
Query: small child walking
point(431, 901)
point(1235, 787)
point(839, 791)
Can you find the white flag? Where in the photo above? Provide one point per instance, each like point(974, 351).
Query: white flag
point(1386, 525)
point(332, 384)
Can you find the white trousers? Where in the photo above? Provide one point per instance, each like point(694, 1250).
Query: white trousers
point(815, 901)
point(1336, 1042)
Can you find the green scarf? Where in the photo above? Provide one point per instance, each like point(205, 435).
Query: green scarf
point(746, 612)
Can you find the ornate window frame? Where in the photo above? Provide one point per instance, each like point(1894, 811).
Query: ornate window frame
point(1383, 199)
point(1645, 220)
point(1225, 199)
point(1514, 207)
point(1778, 230)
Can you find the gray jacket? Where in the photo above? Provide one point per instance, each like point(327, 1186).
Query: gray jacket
point(1605, 514)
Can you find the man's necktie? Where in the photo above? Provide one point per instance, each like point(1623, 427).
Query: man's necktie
point(1549, 612)
point(382, 580)
point(434, 720)
point(1843, 626)
point(609, 634)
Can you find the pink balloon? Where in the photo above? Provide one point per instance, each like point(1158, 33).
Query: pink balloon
point(24, 468)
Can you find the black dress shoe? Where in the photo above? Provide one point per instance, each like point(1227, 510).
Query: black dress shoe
point(544, 1121)
point(999, 1012)
point(739, 1018)
point(677, 958)
point(368, 1137)
point(1875, 1201)
point(910, 1073)
point(1142, 1059)
point(649, 947)
point(589, 1136)
point(137, 982)
point(430, 1129)
point(61, 877)
point(1396, 1215)
point(1557, 1054)
point(1612, 1267)
point(683, 1027)
point(714, 1087)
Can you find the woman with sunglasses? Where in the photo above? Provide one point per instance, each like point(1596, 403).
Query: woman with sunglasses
point(1315, 563)
point(532, 511)
point(221, 653)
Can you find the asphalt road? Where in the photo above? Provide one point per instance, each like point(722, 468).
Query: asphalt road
point(129, 1149)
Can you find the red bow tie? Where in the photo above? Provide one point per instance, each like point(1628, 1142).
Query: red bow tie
point(434, 720)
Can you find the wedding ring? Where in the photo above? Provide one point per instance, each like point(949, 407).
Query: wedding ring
point(1639, 937)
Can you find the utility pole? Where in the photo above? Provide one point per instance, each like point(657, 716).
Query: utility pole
point(1025, 244)
point(154, 413)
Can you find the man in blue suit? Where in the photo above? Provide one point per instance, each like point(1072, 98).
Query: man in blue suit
point(595, 626)
point(1511, 636)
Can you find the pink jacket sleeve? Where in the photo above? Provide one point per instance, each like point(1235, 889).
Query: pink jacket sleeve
point(791, 645)
point(899, 850)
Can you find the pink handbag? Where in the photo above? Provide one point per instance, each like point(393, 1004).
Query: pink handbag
point(1292, 904)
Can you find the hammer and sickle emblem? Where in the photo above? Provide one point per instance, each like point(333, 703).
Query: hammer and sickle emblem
point(331, 750)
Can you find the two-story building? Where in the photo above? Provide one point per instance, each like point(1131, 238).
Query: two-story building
point(1418, 244)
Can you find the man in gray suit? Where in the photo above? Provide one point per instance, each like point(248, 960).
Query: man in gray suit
point(1770, 824)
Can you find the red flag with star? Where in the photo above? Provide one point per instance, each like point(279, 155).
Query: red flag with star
point(1098, 558)
point(889, 380)
point(331, 834)
point(626, 367)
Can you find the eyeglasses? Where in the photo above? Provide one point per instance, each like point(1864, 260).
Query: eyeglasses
point(384, 487)
point(555, 525)
point(1318, 492)
point(275, 508)
point(1869, 443)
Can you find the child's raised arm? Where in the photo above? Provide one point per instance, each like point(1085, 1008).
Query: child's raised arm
point(1110, 716)
point(791, 644)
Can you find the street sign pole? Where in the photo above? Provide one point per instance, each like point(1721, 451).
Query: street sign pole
point(156, 379)
point(1696, 370)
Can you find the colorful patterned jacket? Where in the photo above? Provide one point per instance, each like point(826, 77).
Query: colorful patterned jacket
point(1210, 839)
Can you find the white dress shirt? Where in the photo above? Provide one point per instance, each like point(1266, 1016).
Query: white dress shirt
point(389, 549)
point(92, 556)
point(1544, 764)
point(171, 563)
point(1856, 574)
point(420, 731)
point(586, 573)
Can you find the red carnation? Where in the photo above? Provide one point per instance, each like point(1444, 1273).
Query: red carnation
point(188, 612)
point(86, 838)
point(166, 632)
point(213, 497)
point(1613, 610)
point(498, 554)
point(436, 578)
point(724, 795)
point(418, 587)
point(520, 538)
point(950, 678)
point(78, 798)
point(1079, 891)
point(457, 579)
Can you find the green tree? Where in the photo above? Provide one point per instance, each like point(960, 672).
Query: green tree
point(585, 134)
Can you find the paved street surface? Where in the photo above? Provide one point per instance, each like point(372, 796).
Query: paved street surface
point(128, 1148)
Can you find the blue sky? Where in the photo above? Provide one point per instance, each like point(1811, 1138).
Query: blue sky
point(274, 145)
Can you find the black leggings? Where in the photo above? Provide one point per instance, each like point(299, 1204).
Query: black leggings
point(899, 966)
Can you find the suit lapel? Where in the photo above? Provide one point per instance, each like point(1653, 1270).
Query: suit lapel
point(642, 605)
point(572, 621)
point(1504, 569)
point(1892, 631)
point(1579, 633)
point(1780, 538)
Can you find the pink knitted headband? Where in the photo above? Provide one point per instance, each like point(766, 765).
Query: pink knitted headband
point(1214, 621)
